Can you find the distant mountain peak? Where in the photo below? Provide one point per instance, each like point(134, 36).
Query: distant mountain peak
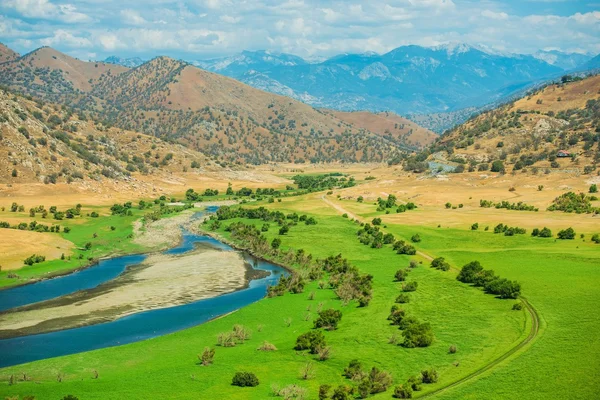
point(126, 62)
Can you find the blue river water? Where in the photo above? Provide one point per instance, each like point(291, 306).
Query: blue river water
point(132, 328)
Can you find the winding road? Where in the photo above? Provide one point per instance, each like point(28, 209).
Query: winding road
point(533, 333)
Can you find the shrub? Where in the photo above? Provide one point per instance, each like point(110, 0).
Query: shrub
point(328, 319)
point(452, 349)
point(417, 335)
point(207, 356)
point(566, 234)
point(429, 376)
point(593, 188)
point(415, 238)
point(475, 226)
point(266, 346)
point(354, 370)
point(596, 238)
point(34, 259)
point(517, 306)
point(290, 392)
point(440, 263)
point(94, 214)
point(401, 275)
point(245, 379)
point(313, 341)
point(402, 298)
point(403, 392)
point(323, 353)
point(410, 286)
point(376, 221)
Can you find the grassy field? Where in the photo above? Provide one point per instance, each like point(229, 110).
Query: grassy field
point(107, 242)
point(481, 327)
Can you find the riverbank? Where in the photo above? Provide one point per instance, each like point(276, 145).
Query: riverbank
point(161, 281)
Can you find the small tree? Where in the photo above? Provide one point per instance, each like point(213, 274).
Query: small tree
point(284, 229)
point(276, 243)
point(401, 275)
point(415, 238)
point(429, 376)
point(594, 188)
point(566, 234)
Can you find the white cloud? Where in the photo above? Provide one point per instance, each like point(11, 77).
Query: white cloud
point(132, 17)
point(229, 19)
point(197, 29)
point(65, 38)
point(44, 9)
point(494, 15)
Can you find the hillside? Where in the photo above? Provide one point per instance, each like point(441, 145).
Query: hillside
point(389, 125)
point(42, 142)
point(216, 115)
point(7, 54)
point(530, 132)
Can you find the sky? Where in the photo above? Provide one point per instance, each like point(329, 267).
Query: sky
point(201, 29)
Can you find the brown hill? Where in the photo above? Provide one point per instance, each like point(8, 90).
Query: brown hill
point(50, 74)
point(208, 112)
point(7, 54)
point(531, 132)
point(45, 143)
point(389, 125)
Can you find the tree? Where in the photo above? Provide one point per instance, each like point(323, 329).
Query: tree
point(415, 238)
point(376, 221)
point(469, 272)
point(313, 341)
point(284, 229)
point(440, 263)
point(328, 319)
point(497, 166)
point(15, 173)
point(276, 243)
point(244, 379)
point(566, 234)
point(417, 335)
point(593, 188)
point(401, 275)
point(429, 376)
point(403, 392)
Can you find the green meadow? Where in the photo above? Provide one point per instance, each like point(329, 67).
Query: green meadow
point(107, 242)
point(559, 278)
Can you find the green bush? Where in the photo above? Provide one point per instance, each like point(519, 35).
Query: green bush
point(429, 376)
point(566, 234)
point(328, 319)
point(313, 341)
point(245, 379)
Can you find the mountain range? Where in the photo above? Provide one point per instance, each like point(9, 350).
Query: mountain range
point(436, 86)
point(451, 80)
point(228, 121)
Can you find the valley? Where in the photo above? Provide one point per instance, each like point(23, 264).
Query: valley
point(169, 232)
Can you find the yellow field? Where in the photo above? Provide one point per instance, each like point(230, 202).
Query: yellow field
point(17, 245)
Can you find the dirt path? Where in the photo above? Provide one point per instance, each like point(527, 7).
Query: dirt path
point(533, 333)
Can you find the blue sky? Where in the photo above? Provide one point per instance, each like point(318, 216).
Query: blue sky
point(94, 29)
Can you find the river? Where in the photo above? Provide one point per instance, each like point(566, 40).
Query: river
point(132, 328)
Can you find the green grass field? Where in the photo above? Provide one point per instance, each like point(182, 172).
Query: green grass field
point(107, 242)
point(481, 327)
